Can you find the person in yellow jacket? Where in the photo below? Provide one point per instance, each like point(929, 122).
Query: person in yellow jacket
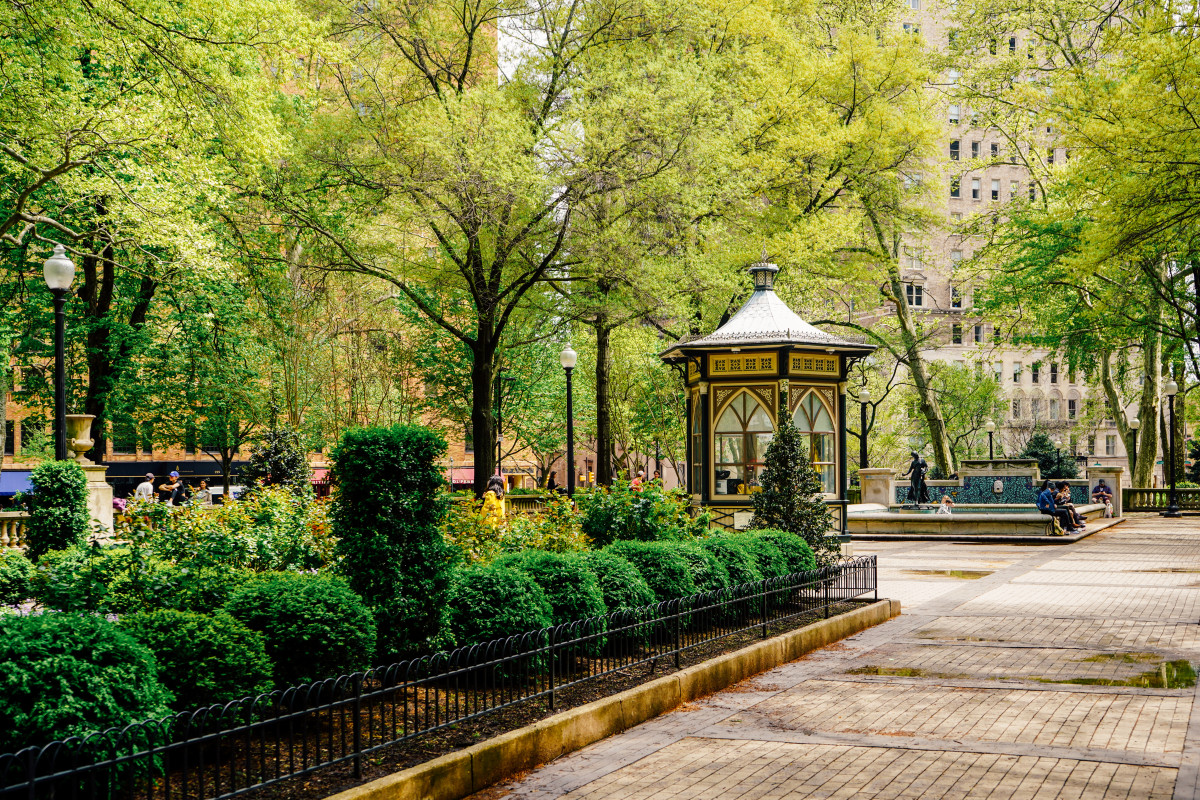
point(493, 502)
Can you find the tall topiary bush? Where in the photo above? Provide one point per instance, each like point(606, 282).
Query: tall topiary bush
point(1052, 462)
point(202, 659)
point(386, 515)
point(58, 513)
point(279, 458)
point(69, 674)
point(791, 497)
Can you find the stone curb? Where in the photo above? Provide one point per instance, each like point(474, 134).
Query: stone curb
point(464, 772)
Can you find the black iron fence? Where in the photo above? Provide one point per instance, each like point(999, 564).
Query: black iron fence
point(226, 751)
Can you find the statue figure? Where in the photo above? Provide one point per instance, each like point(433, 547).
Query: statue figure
point(918, 492)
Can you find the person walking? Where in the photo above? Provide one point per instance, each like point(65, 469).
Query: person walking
point(552, 482)
point(145, 490)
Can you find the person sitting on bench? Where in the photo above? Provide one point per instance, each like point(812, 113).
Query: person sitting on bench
point(1045, 504)
point(1063, 500)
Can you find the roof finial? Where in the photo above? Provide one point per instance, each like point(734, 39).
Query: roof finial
point(763, 273)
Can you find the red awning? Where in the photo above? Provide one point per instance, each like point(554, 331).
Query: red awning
point(461, 475)
point(320, 476)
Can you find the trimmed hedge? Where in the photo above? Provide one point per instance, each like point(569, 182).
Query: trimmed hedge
point(766, 554)
point(202, 659)
point(566, 579)
point(69, 674)
point(708, 573)
point(620, 512)
point(662, 566)
point(796, 552)
point(58, 513)
point(735, 556)
point(619, 580)
point(494, 602)
point(315, 627)
point(16, 577)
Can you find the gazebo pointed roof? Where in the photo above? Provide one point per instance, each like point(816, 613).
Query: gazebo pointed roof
point(764, 319)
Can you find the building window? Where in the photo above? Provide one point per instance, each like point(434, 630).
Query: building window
point(955, 297)
point(956, 257)
point(1035, 407)
point(952, 78)
point(916, 294)
point(1012, 44)
point(956, 334)
point(1035, 372)
point(995, 189)
point(998, 370)
point(978, 334)
point(1054, 373)
point(912, 28)
point(468, 438)
point(951, 39)
point(10, 437)
point(1016, 408)
point(1071, 409)
point(915, 5)
point(1053, 408)
point(124, 438)
point(955, 188)
point(956, 216)
point(813, 419)
point(916, 259)
point(743, 432)
point(995, 149)
point(1016, 372)
point(1032, 192)
point(1050, 156)
point(1110, 445)
point(974, 188)
point(953, 114)
point(974, 149)
point(1014, 189)
point(954, 149)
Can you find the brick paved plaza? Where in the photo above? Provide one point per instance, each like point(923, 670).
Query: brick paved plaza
point(993, 684)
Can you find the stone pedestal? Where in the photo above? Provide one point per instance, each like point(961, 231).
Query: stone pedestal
point(878, 485)
point(1112, 479)
point(100, 496)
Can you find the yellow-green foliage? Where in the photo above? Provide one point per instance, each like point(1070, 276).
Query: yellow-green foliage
point(555, 529)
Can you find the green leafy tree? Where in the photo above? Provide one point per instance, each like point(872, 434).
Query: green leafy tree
point(1052, 462)
point(279, 458)
point(791, 497)
point(58, 512)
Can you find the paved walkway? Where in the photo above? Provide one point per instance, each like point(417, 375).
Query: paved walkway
point(989, 686)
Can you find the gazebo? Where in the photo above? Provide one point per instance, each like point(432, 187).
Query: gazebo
point(764, 362)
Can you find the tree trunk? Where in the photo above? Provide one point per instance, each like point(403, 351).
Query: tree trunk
point(483, 420)
point(1141, 468)
point(604, 435)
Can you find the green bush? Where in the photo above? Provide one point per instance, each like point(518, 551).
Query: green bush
point(386, 515)
point(494, 602)
point(569, 584)
point(791, 498)
point(708, 573)
point(75, 579)
point(766, 554)
point(279, 457)
point(738, 560)
point(621, 513)
point(69, 674)
point(620, 582)
point(202, 659)
point(796, 552)
point(58, 514)
point(16, 576)
point(662, 566)
point(315, 627)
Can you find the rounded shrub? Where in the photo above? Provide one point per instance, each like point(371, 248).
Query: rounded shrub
point(58, 514)
point(620, 582)
point(708, 573)
point(202, 659)
point(662, 566)
point(313, 625)
point(69, 674)
point(738, 560)
point(796, 552)
point(766, 554)
point(566, 579)
point(621, 512)
point(16, 577)
point(77, 578)
point(494, 602)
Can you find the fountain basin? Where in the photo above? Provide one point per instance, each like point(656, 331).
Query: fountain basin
point(969, 523)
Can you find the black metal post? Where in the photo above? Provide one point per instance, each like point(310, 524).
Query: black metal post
point(843, 477)
point(499, 424)
point(60, 375)
point(1133, 456)
point(1173, 506)
point(991, 446)
point(570, 438)
point(658, 458)
point(862, 439)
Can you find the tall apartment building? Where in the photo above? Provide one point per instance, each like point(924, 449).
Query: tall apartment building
point(1041, 393)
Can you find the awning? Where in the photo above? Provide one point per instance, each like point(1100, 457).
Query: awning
point(460, 475)
point(320, 476)
point(13, 481)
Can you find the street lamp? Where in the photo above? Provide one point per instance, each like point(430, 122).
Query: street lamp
point(59, 271)
point(1058, 457)
point(1172, 388)
point(990, 427)
point(864, 399)
point(1134, 424)
point(567, 358)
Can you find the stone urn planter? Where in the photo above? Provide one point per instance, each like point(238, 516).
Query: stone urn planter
point(79, 436)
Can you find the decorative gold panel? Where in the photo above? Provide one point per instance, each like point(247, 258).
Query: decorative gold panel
point(766, 396)
point(724, 364)
point(813, 364)
point(794, 395)
point(693, 370)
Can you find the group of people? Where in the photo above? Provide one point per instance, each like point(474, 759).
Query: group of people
point(637, 484)
point(173, 491)
point(1054, 500)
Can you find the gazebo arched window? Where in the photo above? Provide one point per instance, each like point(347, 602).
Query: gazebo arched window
point(697, 446)
point(743, 432)
point(815, 423)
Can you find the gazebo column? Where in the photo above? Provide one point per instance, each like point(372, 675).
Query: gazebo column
point(843, 469)
point(706, 459)
point(688, 460)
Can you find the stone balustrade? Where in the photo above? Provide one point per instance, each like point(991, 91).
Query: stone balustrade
point(12, 529)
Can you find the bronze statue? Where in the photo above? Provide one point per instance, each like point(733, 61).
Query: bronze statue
point(918, 492)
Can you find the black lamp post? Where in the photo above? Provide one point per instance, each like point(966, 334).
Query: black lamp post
point(864, 400)
point(990, 427)
point(1134, 424)
point(502, 379)
point(568, 358)
point(59, 271)
point(1172, 388)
